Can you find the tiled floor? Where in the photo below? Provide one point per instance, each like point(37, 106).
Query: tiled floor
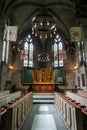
point(43, 117)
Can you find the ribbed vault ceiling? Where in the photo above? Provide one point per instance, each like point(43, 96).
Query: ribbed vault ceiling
point(21, 12)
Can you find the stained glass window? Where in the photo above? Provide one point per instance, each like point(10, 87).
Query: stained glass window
point(5, 52)
point(81, 53)
point(58, 52)
point(28, 52)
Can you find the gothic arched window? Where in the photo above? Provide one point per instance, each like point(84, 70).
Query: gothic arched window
point(5, 52)
point(58, 52)
point(28, 52)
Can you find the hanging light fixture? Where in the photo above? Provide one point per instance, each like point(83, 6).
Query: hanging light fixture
point(43, 57)
point(44, 26)
point(43, 23)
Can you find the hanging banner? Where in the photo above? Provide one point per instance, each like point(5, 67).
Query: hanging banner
point(10, 33)
point(22, 54)
point(64, 55)
point(76, 34)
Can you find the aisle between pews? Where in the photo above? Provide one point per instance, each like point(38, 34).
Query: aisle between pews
point(44, 117)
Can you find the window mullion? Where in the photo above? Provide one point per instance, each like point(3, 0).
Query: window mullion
point(7, 51)
point(28, 54)
point(58, 53)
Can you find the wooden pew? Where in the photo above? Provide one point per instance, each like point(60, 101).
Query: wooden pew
point(23, 89)
point(4, 93)
point(84, 111)
point(4, 103)
point(82, 93)
point(75, 96)
point(81, 101)
point(2, 113)
point(9, 98)
point(17, 112)
point(72, 113)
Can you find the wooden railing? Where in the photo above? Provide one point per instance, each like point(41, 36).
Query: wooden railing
point(82, 93)
point(15, 113)
point(10, 97)
point(78, 98)
point(4, 93)
point(72, 113)
point(4, 103)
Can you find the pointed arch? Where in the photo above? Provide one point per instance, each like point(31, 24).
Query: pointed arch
point(28, 52)
point(58, 49)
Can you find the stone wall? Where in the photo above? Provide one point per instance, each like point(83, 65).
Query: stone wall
point(70, 72)
point(17, 71)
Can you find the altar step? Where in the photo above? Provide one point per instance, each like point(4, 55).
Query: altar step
point(43, 98)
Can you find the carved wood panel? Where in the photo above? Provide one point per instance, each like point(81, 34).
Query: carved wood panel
point(43, 88)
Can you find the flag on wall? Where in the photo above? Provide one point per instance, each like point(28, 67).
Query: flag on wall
point(16, 46)
point(10, 33)
point(63, 55)
point(76, 34)
point(24, 55)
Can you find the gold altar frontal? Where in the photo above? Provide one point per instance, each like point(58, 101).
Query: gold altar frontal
point(43, 81)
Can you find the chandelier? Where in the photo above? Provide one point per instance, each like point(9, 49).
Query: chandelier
point(43, 25)
point(43, 57)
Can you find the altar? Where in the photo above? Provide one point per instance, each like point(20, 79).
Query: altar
point(43, 81)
